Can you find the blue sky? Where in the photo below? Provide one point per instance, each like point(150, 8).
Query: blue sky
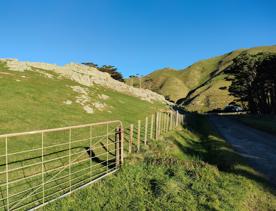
point(137, 36)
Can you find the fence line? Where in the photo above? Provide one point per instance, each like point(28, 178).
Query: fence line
point(41, 166)
point(160, 123)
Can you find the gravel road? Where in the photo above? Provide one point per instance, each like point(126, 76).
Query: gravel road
point(258, 147)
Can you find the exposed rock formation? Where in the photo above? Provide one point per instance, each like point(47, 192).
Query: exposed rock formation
point(84, 75)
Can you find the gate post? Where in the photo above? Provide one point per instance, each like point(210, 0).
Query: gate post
point(117, 147)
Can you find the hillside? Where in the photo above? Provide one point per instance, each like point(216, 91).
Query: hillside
point(201, 86)
point(39, 96)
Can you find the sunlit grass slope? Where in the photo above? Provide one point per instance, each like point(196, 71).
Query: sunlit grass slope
point(189, 169)
point(31, 101)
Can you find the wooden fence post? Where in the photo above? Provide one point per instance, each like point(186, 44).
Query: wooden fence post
point(151, 126)
point(159, 127)
point(160, 124)
point(156, 125)
point(138, 135)
point(146, 131)
point(176, 118)
point(130, 138)
point(171, 120)
point(165, 122)
point(159, 118)
point(168, 122)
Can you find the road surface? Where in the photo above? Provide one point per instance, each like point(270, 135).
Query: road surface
point(259, 148)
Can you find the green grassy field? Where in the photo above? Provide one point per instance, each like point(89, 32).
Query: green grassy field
point(188, 169)
point(265, 123)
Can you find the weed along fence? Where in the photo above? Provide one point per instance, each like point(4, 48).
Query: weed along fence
point(39, 167)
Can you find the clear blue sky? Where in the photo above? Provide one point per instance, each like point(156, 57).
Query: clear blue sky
point(137, 36)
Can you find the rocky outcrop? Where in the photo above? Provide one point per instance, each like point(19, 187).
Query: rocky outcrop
point(85, 75)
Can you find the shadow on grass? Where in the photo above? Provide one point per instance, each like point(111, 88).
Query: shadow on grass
point(110, 163)
point(98, 160)
point(53, 153)
point(211, 149)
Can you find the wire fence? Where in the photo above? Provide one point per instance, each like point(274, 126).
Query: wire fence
point(152, 127)
point(39, 167)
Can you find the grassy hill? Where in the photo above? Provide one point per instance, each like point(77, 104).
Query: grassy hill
point(30, 100)
point(201, 86)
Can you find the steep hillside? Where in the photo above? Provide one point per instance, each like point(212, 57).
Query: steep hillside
point(167, 83)
point(213, 93)
point(37, 96)
point(201, 86)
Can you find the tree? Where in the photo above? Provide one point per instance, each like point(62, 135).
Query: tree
point(107, 69)
point(91, 64)
point(112, 71)
point(254, 82)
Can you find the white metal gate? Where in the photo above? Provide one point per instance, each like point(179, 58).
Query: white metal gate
point(41, 166)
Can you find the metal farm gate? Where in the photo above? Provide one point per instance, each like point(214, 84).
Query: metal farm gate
point(41, 166)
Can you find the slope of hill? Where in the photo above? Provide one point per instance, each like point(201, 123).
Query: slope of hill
point(38, 96)
point(167, 83)
point(201, 86)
